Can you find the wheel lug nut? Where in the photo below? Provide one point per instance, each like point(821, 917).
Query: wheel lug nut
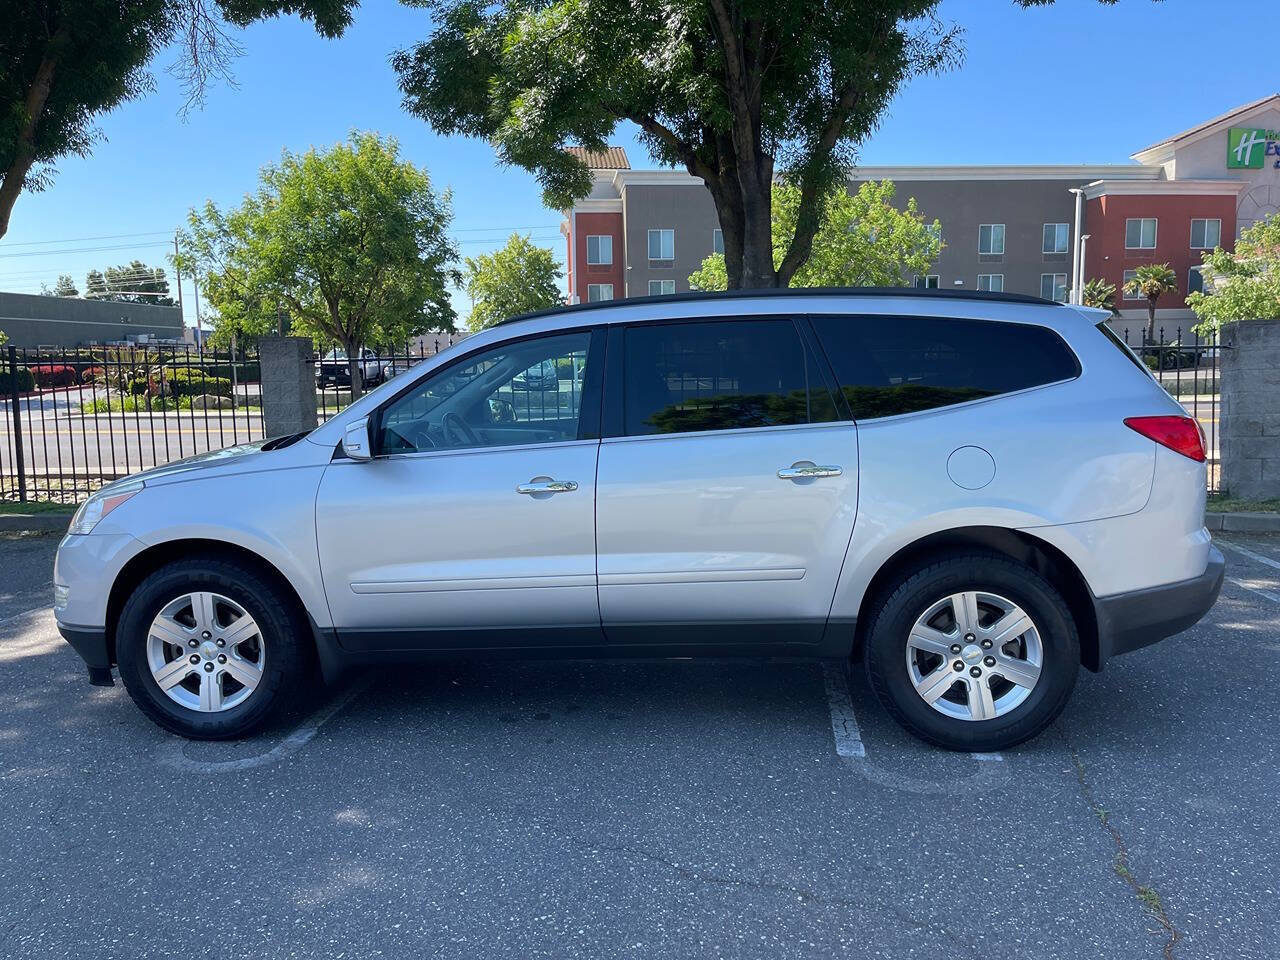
point(191, 643)
point(206, 634)
point(957, 666)
point(221, 642)
point(222, 658)
point(208, 668)
point(968, 638)
point(986, 644)
point(975, 672)
point(194, 658)
point(989, 661)
point(955, 648)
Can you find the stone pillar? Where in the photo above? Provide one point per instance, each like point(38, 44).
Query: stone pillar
point(288, 385)
point(1249, 414)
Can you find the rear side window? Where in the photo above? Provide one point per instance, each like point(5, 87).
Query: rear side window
point(892, 365)
point(1105, 329)
point(720, 375)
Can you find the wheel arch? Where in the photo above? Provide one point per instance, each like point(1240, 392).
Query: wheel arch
point(1019, 546)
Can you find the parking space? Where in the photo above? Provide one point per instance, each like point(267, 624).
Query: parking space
point(647, 809)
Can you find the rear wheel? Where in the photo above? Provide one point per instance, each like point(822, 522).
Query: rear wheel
point(209, 649)
point(974, 652)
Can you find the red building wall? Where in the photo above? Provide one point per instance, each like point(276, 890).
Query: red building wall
point(580, 273)
point(1107, 257)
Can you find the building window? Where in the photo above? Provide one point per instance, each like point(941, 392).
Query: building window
point(994, 282)
point(717, 241)
point(1140, 233)
point(599, 291)
point(662, 244)
point(929, 282)
point(1205, 234)
point(1195, 279)
point(1055, 238)
point(1053, 286)
point(991, 238)
point(599, 250)
point(1124, 286)
point(659, 288)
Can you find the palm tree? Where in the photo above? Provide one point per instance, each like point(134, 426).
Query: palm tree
point(1152, 280)
point(1101, 294)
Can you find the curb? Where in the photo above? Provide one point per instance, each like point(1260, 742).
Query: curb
point(34, 522)
point(1242, 522)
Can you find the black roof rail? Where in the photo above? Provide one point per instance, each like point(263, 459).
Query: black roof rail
point(694, 296)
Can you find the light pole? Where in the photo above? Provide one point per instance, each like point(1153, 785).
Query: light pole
point(1077, 268)
point(1084, 239)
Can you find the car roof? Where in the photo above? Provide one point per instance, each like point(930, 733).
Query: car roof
point(788, 293)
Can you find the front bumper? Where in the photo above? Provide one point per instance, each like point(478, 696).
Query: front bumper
point(1130, 621)
point(91, 644)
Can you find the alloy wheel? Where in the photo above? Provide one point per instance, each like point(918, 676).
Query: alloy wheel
point(205, 652)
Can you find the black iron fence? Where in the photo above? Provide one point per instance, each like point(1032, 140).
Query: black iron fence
point(1186, 365)
point(74, 419)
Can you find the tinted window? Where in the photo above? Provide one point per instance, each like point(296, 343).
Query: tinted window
point(892, 365)
point(528, 391)
point(720, 375)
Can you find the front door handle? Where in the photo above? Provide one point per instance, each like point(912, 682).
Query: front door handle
point(547, 485)
point(808, 470)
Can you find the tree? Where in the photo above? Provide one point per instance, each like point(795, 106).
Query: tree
point(1101, 294)
point(517, 279)
point(134, 282)
point(65, 287)
point(1244, 285)
point(352, 240)
point(65, 62)
point(1152, 281)
point(738, 92)
point(863, 240)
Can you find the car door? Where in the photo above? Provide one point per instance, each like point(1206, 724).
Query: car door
point(473, 524)
point(726, 488)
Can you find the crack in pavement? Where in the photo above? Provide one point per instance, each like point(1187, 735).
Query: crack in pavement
point(800, 893)
point(1147, 894)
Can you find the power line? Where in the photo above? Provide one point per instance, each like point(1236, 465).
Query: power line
point(107, 236)
point(121, 246)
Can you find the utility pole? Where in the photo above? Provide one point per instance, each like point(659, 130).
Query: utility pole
point(177, 272)
point(199, 326)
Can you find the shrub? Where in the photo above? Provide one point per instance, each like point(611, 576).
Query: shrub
point(195, 381)
point(54, 375)
point(26, 382)
point(94, 375)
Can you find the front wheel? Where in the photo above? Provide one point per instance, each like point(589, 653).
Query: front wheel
point(973, 653)
point(209, 649)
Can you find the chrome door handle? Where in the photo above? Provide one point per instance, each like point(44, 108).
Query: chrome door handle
point(547, 485)
point(804, 470)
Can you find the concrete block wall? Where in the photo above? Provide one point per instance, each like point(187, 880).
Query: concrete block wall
point(288, 385)
point(1249, 414)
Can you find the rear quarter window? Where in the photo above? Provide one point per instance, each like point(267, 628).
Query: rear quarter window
point(887, 366)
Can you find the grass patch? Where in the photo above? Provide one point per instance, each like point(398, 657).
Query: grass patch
point(8, 508)
point(1232, 505)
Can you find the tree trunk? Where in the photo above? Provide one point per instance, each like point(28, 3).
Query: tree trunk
point(355, 370)
point(1151, 321)
point(24, 153)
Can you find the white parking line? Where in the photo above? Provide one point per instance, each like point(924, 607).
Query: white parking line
point(25, 613)
point(1252, 587)
point(844, 725)
point(1244, 551)
point(997, 757)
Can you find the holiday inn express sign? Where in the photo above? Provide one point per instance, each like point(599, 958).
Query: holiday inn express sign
point(1252, 148)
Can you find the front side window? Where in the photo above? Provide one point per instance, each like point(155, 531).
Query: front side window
point(1205, 234)
point(991, 238)
point(658, 288)
point(600, 250)
point(720, 375)
point(993, 282)
point(662, 244)
point(599, 291)
point(1140, 233)
point(1053, 286)
point(1055, 238)
point(893, 365)
point(529, 391)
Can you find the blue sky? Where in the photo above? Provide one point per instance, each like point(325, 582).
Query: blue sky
point(1075, 83)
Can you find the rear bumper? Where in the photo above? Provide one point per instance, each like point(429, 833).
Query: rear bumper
point(1130, 621)
point(91, 644)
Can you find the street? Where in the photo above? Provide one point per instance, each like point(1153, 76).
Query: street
point(646, 809)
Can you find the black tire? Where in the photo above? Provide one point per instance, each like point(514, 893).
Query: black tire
point(904, 601)
point(286, 642)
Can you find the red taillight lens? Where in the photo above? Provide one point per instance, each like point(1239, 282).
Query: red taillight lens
point(1180, 434)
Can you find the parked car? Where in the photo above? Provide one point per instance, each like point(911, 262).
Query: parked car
point(334, 367)
point(969, 495)
point(541, 376)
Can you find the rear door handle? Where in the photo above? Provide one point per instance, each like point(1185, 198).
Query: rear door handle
point(547, 485)
point(808, 470)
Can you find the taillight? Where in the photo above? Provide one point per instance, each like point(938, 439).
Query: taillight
point(1180, 434)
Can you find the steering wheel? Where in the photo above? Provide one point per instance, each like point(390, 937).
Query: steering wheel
point(457, 431)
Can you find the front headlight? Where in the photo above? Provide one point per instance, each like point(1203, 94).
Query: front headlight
point(102, 503)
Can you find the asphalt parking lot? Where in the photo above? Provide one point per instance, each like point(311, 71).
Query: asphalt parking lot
point(646, 809)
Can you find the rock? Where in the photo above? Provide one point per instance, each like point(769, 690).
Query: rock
point(208, 401)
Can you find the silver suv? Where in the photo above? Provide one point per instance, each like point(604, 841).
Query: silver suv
point(971, 495)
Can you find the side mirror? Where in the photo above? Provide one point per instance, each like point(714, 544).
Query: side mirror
point(355, 441)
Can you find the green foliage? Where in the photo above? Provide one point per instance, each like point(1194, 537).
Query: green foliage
point(134, 282)
point(177, 382)
point(351, 240)
point(65, 287)
point(64, 62)
point(1244, 285)
point(735, 91)
point(862, 240)
point(519, 278)
point(25, 381)
point(1099, 293)
point(1152, 281)
point(4, 338)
